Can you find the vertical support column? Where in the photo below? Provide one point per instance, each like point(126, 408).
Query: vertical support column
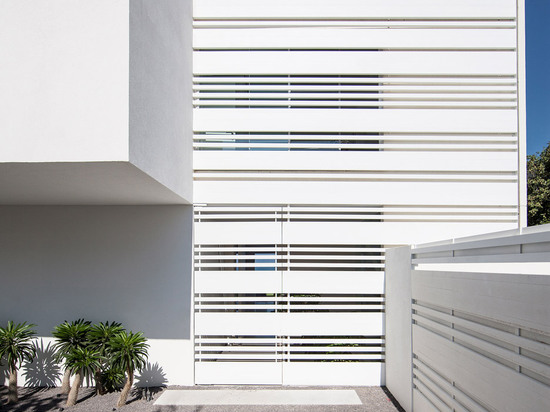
point(399, 325)
point(522, 115)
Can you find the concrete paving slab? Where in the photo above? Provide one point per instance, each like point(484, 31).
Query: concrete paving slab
point(260, 397)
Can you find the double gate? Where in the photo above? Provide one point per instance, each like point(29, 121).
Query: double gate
point(274, 312)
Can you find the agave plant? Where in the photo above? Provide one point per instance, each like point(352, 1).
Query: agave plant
point(69, 336)
point(16, 346)
point(100, 336)
point(81, 362)
point(128, 353)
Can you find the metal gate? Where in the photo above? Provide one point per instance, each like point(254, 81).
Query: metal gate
point(269, 311)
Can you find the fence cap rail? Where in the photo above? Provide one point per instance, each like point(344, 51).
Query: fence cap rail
point(522, 236)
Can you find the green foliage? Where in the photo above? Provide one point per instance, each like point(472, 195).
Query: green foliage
point(70, 336)
point(100, 336)
point(129, 351)
point(108, 379)
point(538, 187)
point(16, 344)
point(112, 379)
point(85, 360)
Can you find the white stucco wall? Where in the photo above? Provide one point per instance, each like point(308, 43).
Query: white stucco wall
point(63, 80)
point(161, 91)
point(129, 264)
point(105, 82)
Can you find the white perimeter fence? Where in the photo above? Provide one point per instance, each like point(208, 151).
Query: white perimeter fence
point(468, 323)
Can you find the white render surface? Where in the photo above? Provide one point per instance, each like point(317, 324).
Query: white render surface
point(160, 105)
point(260, 397)
point(79, 85)
point(64, 80)
point(80, 183)
point(107, 263)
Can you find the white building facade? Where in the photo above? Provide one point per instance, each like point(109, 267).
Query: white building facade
point(319, 134)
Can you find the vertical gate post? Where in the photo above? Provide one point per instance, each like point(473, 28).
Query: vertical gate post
point(398, 325)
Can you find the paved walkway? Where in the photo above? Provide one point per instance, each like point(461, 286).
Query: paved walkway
point(260, 397)
point(275, 399)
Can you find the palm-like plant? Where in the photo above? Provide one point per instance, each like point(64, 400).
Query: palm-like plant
point(112, 379)
point(100, 336)
point(128, 353)
point(69, 336)
point(16, 346)
point(81, 362)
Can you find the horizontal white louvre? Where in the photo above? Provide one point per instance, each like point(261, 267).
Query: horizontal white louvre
point(355, 24)
point(283, 302)
point(288, 257)
point(288, 323)
point(314, 282)
point(360, 82)
point(360, 104)
point(332, 373)
point(342, 162)
point(243, 373)
point(373, 121)
point(329, 176)
point(337, 214)
point(289, 348)
point(476, 63)
point(356, 37)
point(358, 192)
point(254, 91)
point(355, 9)
point(346, 142)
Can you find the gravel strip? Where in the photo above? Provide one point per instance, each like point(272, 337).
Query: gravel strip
point(375, 399)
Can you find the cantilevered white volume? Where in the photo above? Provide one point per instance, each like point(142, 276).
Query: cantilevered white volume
point(326, 131)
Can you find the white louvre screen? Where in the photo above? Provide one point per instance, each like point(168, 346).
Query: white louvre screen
point(270, 313)
point(326, 131)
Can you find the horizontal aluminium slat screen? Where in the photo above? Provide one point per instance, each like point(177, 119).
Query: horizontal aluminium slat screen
point(289, 348)
point(276, 313)
point(362, 63)
point(346, 213)
point(324, 132)
point(288, 257)
point(355, 92)
point(326, 141)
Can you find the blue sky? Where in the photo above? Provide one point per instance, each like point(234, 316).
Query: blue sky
point(538, 74)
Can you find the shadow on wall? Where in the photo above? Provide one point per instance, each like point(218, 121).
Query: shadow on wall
point(44, 371)
point(150, 381)
point(98, 263)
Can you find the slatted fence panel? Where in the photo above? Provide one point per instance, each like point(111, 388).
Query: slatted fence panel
point(481, 341)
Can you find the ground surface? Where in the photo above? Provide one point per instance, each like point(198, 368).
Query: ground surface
point(374, 399)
